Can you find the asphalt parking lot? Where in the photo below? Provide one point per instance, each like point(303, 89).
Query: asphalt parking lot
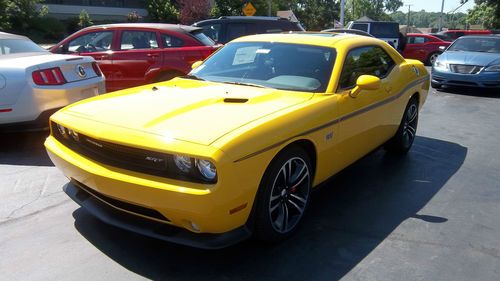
point(434, 215)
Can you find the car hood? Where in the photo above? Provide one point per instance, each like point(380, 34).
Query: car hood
point(198, 112)
point(471, 58)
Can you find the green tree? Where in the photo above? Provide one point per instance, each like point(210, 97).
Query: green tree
point(375, 9)
point(162, 11)
point(485, 12)
point(22, 13)
point(4, 16)
point(484, 15)
point(84, 19)
point(317, 14)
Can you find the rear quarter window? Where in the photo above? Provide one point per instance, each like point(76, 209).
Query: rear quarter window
point(384, 30)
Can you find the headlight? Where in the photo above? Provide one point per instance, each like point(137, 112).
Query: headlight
point(74, 135)
point(62, 130)
point(440, 65)
point(493, 68)
point(206, 169)
point(183, 163)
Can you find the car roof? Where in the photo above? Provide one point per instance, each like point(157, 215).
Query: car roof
point(368, 21)
point(325, 39)
point(5, 35)
point(252, 18)
point(244, 18)
point(349, 31)
point(163, 26)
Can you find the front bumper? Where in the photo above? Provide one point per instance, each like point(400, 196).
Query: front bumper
point(112, 214)
point(173, 203)
point(482, 79)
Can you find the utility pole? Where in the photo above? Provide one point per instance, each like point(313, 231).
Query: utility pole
point(342, 12)
point(269, 4)
point(408, 21)
point(441, 17)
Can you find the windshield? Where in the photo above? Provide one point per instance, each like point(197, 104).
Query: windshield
point(275, 65)
point(16, 46)
point(203, 38)
point(474, 44)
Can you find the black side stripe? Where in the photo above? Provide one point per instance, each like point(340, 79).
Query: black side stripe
point(340, 119)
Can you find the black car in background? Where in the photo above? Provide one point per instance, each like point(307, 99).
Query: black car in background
point(225, 29)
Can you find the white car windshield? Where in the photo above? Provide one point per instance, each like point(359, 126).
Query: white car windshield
point(16, 46)
point(275, 65)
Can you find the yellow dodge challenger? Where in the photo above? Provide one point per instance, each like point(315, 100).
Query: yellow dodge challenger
point(234, 148)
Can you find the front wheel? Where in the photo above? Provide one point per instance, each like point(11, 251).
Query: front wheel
point(283, 195)
point(404, 137)
point(432, 58)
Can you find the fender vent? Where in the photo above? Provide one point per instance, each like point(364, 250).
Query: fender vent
point(233, 100)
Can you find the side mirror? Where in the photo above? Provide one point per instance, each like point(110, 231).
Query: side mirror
point(442, 48)
point(365, 82)
point(196, 64)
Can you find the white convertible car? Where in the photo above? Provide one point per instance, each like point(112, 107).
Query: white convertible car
point(34, 83)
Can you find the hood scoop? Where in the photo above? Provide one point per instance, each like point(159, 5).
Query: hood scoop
point(235, 100)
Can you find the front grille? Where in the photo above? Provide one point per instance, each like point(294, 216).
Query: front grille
point(134, 159)
point(126, 157)
point(136, 209)
point(465, 68)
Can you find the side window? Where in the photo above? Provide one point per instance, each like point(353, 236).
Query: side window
point(370, 60)
point(420, 40)
point(212, 31)
point(360, 26)
point(170, 41)
point(90, 42)
point(138, 40)
point(235, 30)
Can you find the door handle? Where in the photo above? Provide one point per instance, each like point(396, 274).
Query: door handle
point(102, 57)
point(153, 55)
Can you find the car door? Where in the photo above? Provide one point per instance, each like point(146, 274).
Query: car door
point(417, 48)
point(366, 119)
point(137, 53)
point(178, 54)
point(97, 44)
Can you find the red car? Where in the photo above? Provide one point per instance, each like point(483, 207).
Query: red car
point(423, 47)
point(139, 53)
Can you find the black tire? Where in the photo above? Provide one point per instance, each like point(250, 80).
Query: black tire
point(432, 58)
point(435, 85)
point(281, 203)
point(404, 137)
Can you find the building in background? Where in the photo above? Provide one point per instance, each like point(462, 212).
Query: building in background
point(99, 10)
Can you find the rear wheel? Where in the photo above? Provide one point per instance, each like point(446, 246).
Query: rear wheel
point(403, 140)
point(283, 195)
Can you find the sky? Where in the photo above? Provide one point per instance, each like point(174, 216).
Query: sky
point(435, 5)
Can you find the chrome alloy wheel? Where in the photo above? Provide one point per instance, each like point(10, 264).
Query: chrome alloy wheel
point(289, 194)
point(433, 58)
point(410, 124)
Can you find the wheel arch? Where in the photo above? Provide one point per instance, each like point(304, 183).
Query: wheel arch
point(309, 148)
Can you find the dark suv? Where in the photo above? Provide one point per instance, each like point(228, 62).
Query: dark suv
point(225, 29)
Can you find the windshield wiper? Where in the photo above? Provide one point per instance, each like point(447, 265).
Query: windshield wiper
point(192, 76)
point(245, 84)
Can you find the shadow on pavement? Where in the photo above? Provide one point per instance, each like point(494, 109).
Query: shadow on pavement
point(470, 91)
point(24, 149)
point(350, 215)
